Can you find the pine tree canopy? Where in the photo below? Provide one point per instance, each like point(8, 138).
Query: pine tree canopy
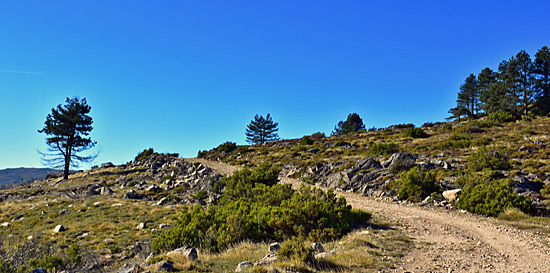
point(67, 128)
point(353, 124)
point(262, 130)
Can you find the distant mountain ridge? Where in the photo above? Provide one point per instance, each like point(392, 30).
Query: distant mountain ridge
point(16, 175)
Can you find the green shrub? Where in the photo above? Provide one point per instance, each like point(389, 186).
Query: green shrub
point(499, 117)
point(416, 185)
point(481, 141)
point(202, 154)
point(296, 249)
point(492, 197)
point(143, 155)
point(416, 133)
point(492, 158)
point(384, 148)
point(402, 126)
point(227, 147)
point(305, 140)
point(254, 208)
point(318, 136)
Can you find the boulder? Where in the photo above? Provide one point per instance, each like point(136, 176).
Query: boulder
point(367, 163)
point(399, 162)
point(269, 258)
point(163, 201)
point(188, 252)
point(274, 247)
point(129, 268)
point(318, 247)
point(164, 266)
point(131, 194)
point(451, 195)
point(141, 226)
point(107, 165)
point(5, 224)
point(105, 191)
point(59, 228)
point(242, 265)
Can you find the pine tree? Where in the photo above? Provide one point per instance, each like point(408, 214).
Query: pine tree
point(524, 81)
point(353, 124)
point(541, 69)
point(484, 81)
point(468, 97)
point(262, 130)
point(68, 127)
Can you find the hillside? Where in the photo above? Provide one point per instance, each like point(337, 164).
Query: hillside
point(112, 213)
point(17, 175)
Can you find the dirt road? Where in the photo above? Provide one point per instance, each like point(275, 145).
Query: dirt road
point(450, 241)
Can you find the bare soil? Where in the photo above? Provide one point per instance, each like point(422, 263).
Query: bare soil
point(449, 240)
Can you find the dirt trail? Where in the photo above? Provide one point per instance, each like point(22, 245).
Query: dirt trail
point(450, 241)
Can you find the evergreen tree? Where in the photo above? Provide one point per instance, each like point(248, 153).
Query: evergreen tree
point(541, 68)
point(509, 76)
point(524, 81)
point(262, 130)
point(468, 96)
point(484, 81)
point(353, 124)
point(68, 127)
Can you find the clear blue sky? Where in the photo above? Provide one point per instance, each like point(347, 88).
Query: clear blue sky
point(182, 76)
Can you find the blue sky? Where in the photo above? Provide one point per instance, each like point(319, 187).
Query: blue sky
point(182, 76)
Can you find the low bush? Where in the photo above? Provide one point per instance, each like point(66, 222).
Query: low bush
point(305, 140)
point(492, 158)
point(254, 208)
point(492, 197)
point(402, 126)
point(499, 117)
point(416, 133)
point(318, 136)
point(143, 155)
point(227, 147)
point(416, 185)
point(384, 148)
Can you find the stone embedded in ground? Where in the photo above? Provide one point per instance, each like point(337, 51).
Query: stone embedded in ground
point(188, 252)
point(129, 268)
point(451, 195)
point(163, 226)
point(242, 265)
point(107, 165)
point(269, 258)
point(5, 224)
point(164, 266)
point(141, 226)
point(59, 228)
point(318, 247)
point(274, 247)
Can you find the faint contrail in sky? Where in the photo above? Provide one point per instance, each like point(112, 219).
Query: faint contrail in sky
point(21, 72)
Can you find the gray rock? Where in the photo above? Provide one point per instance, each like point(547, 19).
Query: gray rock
point(105, 191)
point(163, 201)
point(188, 252)
point(451, 195)
point(107, 165)
point(367, 163)
point(269, 258)
point(274, 247)
point(131, 194)
point(163, 226)
point(164, 266)
point(129, 268)
point(399, 162)
point(141, 226)
point(242, 265)
point(59, 228)
point(63, 211)
point(318, 247)
point(5, 224)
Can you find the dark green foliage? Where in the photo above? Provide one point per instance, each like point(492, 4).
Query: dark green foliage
point(402, 126)
point(143, 155)
point(416, 184)
point(384, 148)
point(227, 147)
point(48, 262)
point(262, 130)
point(253, 207)
point(305, 140)
point(541, 68)
point(492, 158)
point(352, 124)
point(202, 153)
point(416, 133)
point(492, 197)
point(67, 128)
point(468, 97)
point(499, 117)
point(318, 136)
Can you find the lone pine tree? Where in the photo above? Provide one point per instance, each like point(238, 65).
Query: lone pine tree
point(67, 128)
point(262, 130)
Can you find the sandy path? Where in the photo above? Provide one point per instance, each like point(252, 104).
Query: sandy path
point(450, 241)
